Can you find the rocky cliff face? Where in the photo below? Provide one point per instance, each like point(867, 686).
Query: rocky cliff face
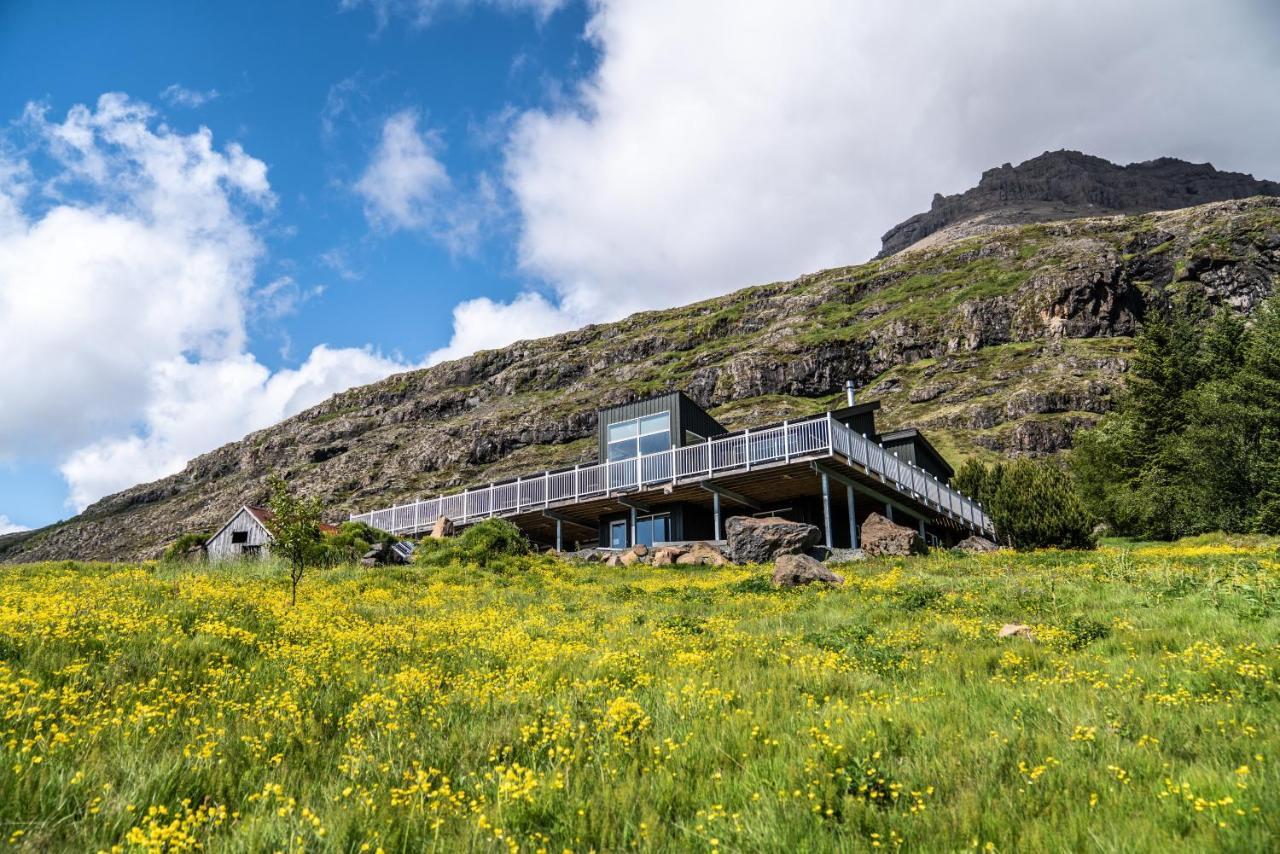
point(1064, 184)
point(1000, 345)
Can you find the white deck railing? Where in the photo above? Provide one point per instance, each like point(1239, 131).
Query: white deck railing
point(809, 439)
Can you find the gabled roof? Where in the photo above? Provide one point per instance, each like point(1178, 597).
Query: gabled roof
point(263, 517)
point(254, 513)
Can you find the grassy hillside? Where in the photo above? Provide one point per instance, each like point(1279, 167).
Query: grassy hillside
point(1000, 345)
point(590, 708)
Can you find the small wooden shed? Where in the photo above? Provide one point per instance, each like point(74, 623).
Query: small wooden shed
point(245, 535)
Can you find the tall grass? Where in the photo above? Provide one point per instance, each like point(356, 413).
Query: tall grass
point(568, 707)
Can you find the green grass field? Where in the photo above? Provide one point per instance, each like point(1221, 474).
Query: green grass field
point(592, 708)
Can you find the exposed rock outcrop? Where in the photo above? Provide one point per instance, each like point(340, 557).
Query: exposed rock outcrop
point(1067, 184)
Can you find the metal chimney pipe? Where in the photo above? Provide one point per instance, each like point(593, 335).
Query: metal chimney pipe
point(848, 390)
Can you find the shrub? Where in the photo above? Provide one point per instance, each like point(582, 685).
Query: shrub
point(351, 542)
point(1035, 506)
point(490, 543)
point(179, 548)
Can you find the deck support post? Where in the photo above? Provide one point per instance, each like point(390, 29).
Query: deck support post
point(826, 507)
point(559, 537)
point(888, 512)
point(853, 518)
point(922, 529)
point(633, 526)
point(715, 507)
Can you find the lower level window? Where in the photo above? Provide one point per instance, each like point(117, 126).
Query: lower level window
point(618, 535)
point(653, 529)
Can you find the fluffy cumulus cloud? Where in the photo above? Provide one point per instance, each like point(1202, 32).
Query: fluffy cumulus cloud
point(481, 324)
point(196, 406)
point(404, 181)
point(7, 527)
point(128, 255)
point(406, 186)
point(729, 142)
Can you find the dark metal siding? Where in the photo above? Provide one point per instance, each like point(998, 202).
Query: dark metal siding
point(694, 417)
point(864, 424)
point(913, 450)
point(905, 448)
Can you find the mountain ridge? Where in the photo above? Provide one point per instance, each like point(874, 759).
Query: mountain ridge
point(1067, 184)
point(1003, 344)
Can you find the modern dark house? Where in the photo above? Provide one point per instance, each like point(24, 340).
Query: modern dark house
point(667, 471)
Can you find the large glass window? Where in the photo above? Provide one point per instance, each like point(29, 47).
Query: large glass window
point(650, 434)
point(653, 529)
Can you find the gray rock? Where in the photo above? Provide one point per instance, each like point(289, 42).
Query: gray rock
point(794, 570)
point(880, 537)
point(976, 544)
point(702, 554)
point(753, 540)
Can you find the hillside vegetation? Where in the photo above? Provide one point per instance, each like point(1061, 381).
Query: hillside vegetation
point(1001, 345)
point(584, 708)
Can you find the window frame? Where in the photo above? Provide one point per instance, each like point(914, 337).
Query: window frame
point(636, 434)
point(666, 515)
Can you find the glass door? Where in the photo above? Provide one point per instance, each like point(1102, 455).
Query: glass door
point(618, 534)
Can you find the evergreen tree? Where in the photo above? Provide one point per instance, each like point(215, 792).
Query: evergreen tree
point(1193, 445)
point(1034, 505)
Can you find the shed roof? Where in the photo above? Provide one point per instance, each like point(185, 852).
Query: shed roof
point(916, 436)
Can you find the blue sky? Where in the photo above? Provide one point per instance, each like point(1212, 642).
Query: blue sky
point(213, 215)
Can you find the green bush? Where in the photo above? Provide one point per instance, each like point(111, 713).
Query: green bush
point(179, 548)
point(1035, 506)
point(350, 543)
point(491, 544)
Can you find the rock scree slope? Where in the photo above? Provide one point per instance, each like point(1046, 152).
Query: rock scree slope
point(1000, 344)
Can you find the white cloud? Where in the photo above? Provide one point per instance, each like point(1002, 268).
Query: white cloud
point(482, 324)
point(729, 142)
point(126, 275)
point(7, 527)
point(404, 180)
point(405, 186)
point(176, 95)
point(196, 406)
point(420, 13)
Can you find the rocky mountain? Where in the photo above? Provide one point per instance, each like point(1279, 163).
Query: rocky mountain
point(1001, 344)
point(1068, 184)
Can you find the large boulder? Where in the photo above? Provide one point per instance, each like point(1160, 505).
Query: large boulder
point(702, 554)
point(796, 570)
point(754, 540)
point(976, 545)
point(667, 555)
point(882, 537)
point(442, 528)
